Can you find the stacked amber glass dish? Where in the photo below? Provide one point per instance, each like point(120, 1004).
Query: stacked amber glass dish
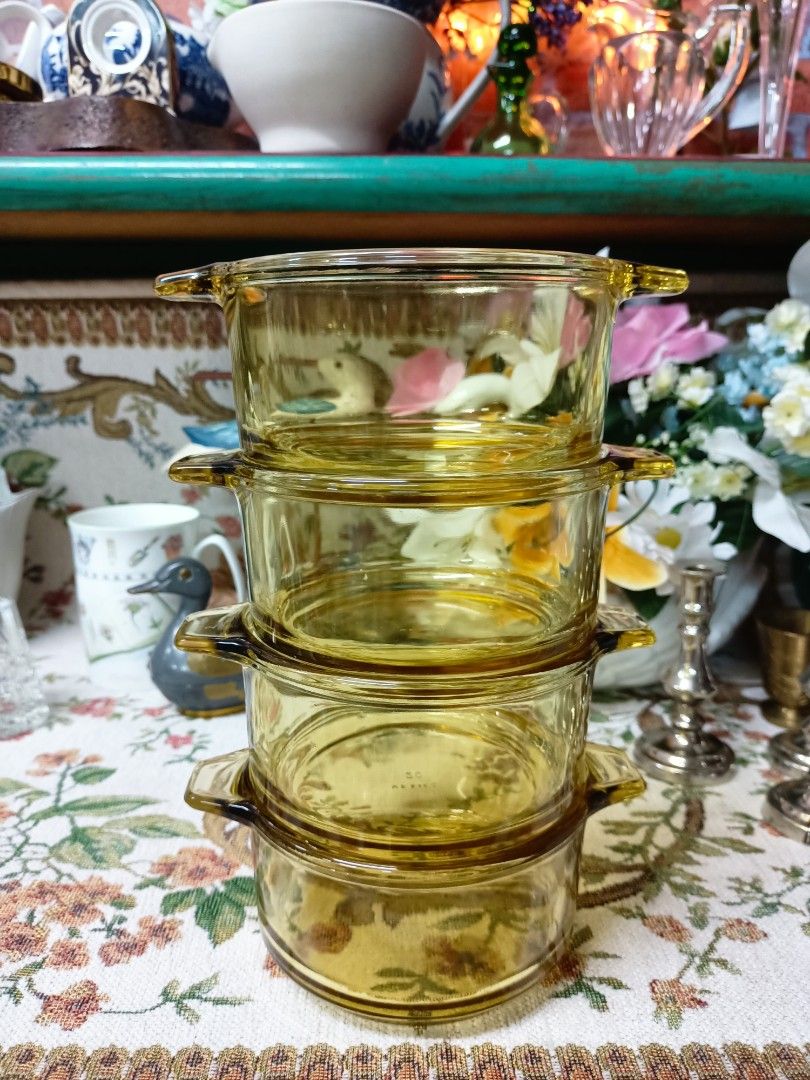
point(423, 493)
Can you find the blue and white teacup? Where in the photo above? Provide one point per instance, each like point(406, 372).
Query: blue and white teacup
point(202, 92)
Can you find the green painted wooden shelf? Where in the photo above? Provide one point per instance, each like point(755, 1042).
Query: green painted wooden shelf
point(446, 184)
point(219, 194)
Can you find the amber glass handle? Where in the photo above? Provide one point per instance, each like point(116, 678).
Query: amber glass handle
point(214, 787)
point(611, 777)
point(636, 463)
point(188, 285)
point(639, 280)
point(618, 629)
point(217, 632)
point(222, 632)
point(217, 469)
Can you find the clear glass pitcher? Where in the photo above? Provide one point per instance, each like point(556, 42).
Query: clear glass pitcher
point(647, 88)
point(402, 363)
point(426, 940)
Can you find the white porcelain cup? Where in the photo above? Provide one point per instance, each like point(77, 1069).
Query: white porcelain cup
point(115, 547)
point(379, 72)
point(322, 77)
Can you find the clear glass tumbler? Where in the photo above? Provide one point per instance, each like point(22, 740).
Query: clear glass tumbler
point(781, 24)
point(22, 702)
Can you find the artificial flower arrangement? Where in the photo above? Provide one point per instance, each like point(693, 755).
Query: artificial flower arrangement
point(731, 405)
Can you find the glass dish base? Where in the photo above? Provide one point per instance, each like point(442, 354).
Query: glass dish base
point(417, 1012)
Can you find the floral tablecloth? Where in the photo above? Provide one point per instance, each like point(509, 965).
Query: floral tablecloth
point(130, 948)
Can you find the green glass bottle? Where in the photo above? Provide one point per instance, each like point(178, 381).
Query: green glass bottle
point(512, 131)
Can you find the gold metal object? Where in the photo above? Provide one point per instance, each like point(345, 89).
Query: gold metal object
point(684, 752)
point(784, 638)
point(15, 85)
point(787, 805)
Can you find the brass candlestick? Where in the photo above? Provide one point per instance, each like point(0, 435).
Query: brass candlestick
point(784, 640)
point(787, 805)
point(683, 752)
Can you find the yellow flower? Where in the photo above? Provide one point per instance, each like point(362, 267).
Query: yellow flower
point(625, 567)
point(536, 539)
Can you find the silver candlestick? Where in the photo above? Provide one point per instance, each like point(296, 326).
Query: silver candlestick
point(787, 808)
point(683, 752)
point(790, 750)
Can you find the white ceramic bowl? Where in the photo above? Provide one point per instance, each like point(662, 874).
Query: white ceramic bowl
point(322, 77)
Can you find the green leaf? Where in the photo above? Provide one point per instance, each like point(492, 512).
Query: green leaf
point(151, 882)
point(581, 936)
point(725, 965)
point(625, 828)
point(737, 523)
point(765, 907)
point(719, 413)
point(185, 1012)
point(8, 786)
point(596, 999)
point(733, 843)
point(647, 602)
point(800, 572)
point(155, 826)
point(242, 890)
point(686, 889)
point(170, 990)
point(634, 912)
point(461, 921)
point(181, 901)
point(621, 424)
point(28, 468)
point(92, 848)
point(611, 981)
point(123, 903)
point(90, 774)
point(95, 805)
point(699, 915)
point(199, 989)
point(220, 917)
point(29, 969)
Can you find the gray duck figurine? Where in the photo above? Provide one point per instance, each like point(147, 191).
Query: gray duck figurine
point(198, 685)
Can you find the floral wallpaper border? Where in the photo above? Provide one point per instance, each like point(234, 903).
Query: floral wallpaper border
point(111, 322)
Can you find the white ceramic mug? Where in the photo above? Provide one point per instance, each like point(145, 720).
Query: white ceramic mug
point(115, 547)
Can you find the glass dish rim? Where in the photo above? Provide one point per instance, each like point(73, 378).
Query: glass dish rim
point(439, 264)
